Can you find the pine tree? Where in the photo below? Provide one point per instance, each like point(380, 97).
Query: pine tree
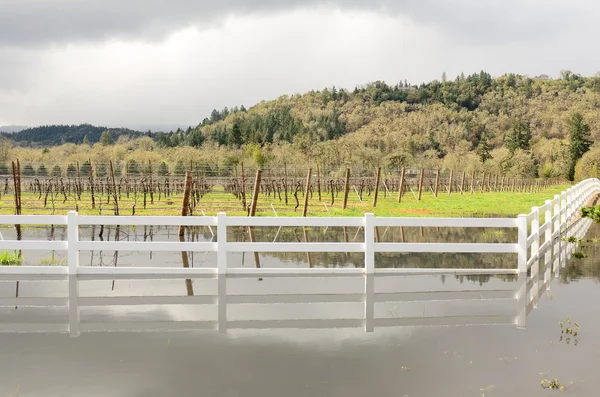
point(235, 136)
point(86, 140)
point(106, 138)
point(519, 137)
point(163, 169)
point(483, 150)
point(579, 133)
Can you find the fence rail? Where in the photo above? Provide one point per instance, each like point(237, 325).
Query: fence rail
point(534, 238)
point(378, 295)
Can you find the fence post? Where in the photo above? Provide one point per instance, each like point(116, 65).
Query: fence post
point(73, 264)
point(369, 243)
point(557, 214)
point(522, 243)
point(535, 232)
point(72, 239)
point(221, 243)
point(563, 210)
point(548, 233)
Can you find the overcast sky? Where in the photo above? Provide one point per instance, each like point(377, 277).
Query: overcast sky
point(132, 62)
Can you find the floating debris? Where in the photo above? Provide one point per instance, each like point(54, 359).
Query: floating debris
point(568, 331)
point(553, 384)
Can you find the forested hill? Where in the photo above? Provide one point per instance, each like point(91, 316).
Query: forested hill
point(512, 124)
point(51, 135)
point(519, 124)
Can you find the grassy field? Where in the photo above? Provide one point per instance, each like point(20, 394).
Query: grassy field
point(455, 205)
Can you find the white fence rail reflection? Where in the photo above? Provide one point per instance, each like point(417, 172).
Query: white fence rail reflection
point(82, 303)
point(534, 239)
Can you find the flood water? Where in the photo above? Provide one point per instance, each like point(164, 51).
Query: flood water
point(432, 335)
point(273, 234)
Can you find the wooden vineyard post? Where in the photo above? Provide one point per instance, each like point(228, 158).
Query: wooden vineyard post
point(377, 179)
point(421, 175)
point(473, 182)
point(462, 183)
point(304, 212)
point(17, 188)
point(483, 182)
point(450, 182)
point(437, 182)
point(150, 182)
point(244, 206)
point(346, 188)
point(185, 205)
point(285, 186)
point(255, 193)
point(318, 181)
point(91, 178)
point(401, 187)
point(306, 191)
point(114, 188)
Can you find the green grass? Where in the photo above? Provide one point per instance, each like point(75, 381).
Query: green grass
point(10, 258)
point(504, 204)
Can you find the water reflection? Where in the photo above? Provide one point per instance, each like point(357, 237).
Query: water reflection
point(136, 303)
point(273, 234)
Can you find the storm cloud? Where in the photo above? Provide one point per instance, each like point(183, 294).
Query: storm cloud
point(129, 62)
point(43, 22)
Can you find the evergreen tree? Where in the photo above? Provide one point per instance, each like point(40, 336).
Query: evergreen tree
point(195, 138)
point(483, 149)
point(179, 168)
point(28, 170)
point(56, 171)
point(86, 140)
point(84, 169)
point(235, 138)
point(101, 171)
point(132, 168)
point(42, 170)
point(163, 169)
point(71, 170)
point(579, 133)
point(106, 138)
point(519, 137)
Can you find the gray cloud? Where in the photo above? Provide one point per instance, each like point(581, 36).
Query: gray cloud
point(45, 22)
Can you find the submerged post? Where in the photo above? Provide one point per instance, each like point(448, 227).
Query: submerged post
point(369, 243)
point(522, 243)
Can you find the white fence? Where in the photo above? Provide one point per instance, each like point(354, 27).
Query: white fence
point(557, 215)
point(49, 303)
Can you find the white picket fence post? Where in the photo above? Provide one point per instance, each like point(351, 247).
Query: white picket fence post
point(369, 243)
point(72, 239)
point(522, 243)
point(221, 243)
point(72, 268)
point(535, 232)
point(557, 213)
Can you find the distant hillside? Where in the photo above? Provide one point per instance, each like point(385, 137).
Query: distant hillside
point(12, 128)
point(520, 125)
point(51, 135)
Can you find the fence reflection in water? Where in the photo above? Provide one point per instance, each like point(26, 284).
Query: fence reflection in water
point(74, 304)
